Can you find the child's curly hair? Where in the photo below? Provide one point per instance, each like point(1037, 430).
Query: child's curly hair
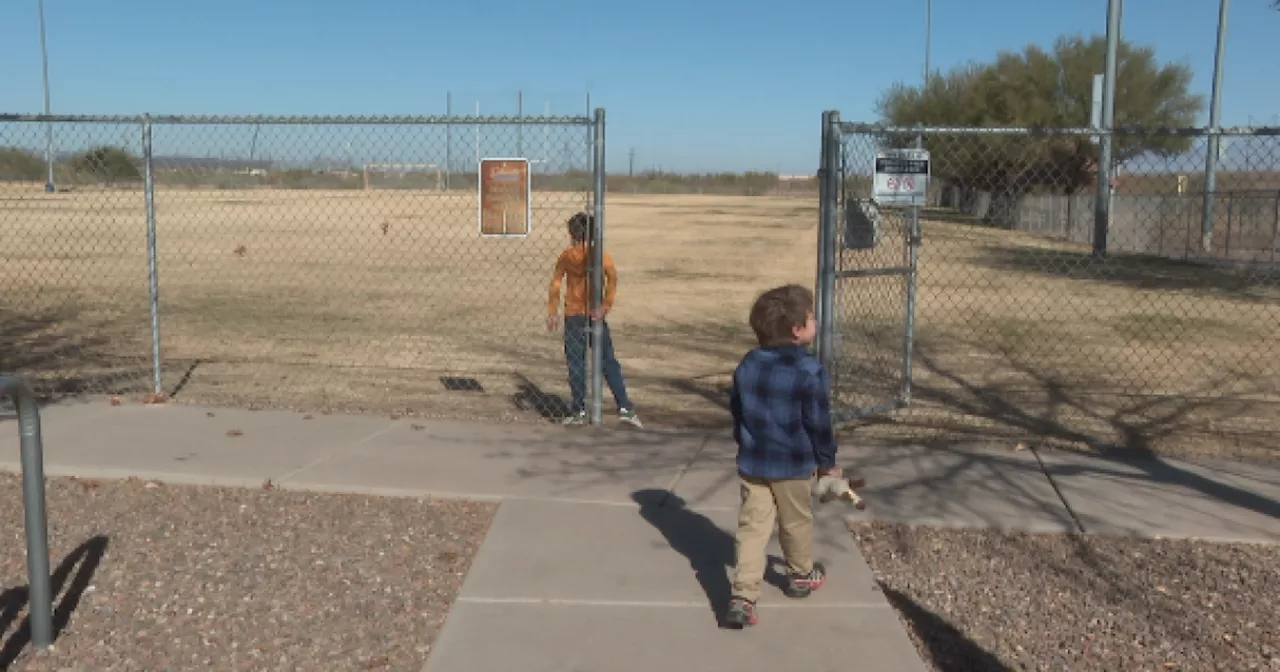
point(778, 312)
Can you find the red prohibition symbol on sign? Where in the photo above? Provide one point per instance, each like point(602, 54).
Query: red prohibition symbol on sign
point(900, 184)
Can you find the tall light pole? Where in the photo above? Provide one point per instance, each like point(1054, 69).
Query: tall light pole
point(928, 42)
point(1102, 204)
point(1215, 109)
point(928, 68)
point(48, 146)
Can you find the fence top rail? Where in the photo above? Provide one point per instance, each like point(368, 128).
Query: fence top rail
point(435, 120)
point(849, 127)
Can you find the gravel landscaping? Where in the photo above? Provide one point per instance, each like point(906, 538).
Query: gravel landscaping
point(985, 600)
point(165, 577)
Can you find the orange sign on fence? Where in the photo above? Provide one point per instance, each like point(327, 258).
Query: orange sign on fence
point(505, 207)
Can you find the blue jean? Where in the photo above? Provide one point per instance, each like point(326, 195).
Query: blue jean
point(577, 335)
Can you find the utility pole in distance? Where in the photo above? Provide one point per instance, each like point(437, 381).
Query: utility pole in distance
point(631, 168)
point(49, 186)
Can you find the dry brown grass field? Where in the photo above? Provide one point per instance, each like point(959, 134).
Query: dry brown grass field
point(366, 300)
point(370, 301)
point(1030, 338)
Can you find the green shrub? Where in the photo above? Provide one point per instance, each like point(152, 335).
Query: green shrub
point(106, 164)
point(19, 164)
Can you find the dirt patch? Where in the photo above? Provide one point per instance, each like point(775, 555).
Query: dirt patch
point(176, 577)
point(979, 600)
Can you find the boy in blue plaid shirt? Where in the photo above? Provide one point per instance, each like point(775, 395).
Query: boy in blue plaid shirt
point(782, 424)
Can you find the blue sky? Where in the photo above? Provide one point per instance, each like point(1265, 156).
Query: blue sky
point(699, 85)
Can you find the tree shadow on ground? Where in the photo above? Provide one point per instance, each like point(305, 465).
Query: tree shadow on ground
point(86, 557)
point(63, 355)
point(1145, 272)
point(1128, 433)
point(949, 649)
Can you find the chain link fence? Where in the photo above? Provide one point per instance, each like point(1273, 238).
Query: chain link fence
point(336, 264)
point(1011, 315)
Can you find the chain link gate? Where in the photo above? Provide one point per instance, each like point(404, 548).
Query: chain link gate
point(868, 258)
point(303, 262)
point(1053, 305)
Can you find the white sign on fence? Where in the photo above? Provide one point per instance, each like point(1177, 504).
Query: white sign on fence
point(901, 177)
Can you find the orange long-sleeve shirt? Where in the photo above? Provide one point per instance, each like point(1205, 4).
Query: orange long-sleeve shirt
point(573, 267)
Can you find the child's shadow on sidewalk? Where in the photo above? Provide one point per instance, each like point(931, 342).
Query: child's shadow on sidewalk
point(709, 549)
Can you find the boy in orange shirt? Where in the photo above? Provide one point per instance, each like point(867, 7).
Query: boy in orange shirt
point(574, 266)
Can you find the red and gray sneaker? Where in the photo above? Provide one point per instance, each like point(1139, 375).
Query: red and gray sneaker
point(741, 613)
point(803, 585)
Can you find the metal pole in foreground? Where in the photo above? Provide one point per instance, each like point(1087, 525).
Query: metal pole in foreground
point(49, 186)
point(40, 594)
point(1215, 108)
point(597, 272)
point(829, 199)
point(153, 270)
point(1102, 203)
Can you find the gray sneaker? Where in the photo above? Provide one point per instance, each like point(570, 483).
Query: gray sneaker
point(628, 415)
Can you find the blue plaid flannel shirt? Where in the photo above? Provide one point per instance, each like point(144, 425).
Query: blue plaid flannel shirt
point(781, 414)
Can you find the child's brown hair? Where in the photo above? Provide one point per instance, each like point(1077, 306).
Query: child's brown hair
point(779, 312)
point(580, 227)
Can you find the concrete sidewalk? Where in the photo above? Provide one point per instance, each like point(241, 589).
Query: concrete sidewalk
point(590, 564)
point(560, 586)
point(971, 486)
point(612, 544)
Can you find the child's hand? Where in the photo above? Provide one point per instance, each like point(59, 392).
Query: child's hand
point(553, 322)
point(599, 314)
point(834, 472)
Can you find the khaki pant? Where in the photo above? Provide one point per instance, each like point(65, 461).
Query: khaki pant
point(789, 503)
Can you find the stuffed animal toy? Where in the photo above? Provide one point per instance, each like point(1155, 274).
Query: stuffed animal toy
point(827, 488)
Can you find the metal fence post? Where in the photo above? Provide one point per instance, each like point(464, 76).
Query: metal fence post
point(828, 209)
point(1231, 206)
point(828, 213)
point(597, 270)
point(152, 253)
point(40, 594)
point(913, 247)
point(1275, 231)
point(448, 141)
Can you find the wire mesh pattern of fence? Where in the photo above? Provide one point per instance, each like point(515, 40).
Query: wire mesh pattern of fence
point(1027, 324)
point(322, 263)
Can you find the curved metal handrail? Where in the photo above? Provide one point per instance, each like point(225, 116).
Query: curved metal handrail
point(40, 597)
